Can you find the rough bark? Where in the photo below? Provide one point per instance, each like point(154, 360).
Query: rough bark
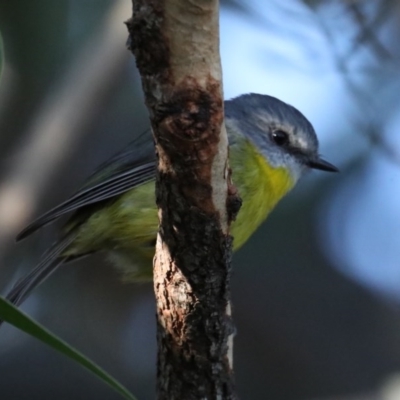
point(176, 45)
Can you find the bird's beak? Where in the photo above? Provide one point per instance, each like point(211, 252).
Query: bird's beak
point(323, 165)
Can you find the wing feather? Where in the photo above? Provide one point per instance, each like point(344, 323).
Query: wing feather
point(122, 173)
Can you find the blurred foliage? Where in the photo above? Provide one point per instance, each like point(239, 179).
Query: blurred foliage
point(34, 65)
point(1, 56)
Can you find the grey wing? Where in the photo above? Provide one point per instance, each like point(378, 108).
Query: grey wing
point(128, 169)
point(49, 263)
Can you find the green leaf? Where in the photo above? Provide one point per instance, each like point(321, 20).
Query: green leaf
point(15, 317)
point(1, 55)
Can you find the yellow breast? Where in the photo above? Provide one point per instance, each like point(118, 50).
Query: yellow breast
point(260, 186)
point(128, 226)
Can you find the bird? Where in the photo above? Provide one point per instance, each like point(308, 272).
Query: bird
point(271, 146)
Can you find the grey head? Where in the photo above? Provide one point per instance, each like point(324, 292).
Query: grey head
point(282, 134)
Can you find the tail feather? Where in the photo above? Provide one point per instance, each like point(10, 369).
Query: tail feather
point(49, 263)
point(24, 286)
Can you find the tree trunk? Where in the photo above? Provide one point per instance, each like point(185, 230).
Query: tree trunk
point(176, 45)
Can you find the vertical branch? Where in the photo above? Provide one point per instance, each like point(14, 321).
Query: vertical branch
point(176, 45)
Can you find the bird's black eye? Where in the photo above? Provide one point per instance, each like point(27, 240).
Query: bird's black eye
point(281, 138)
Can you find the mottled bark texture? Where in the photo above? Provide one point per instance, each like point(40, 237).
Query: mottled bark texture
point(176, 45)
